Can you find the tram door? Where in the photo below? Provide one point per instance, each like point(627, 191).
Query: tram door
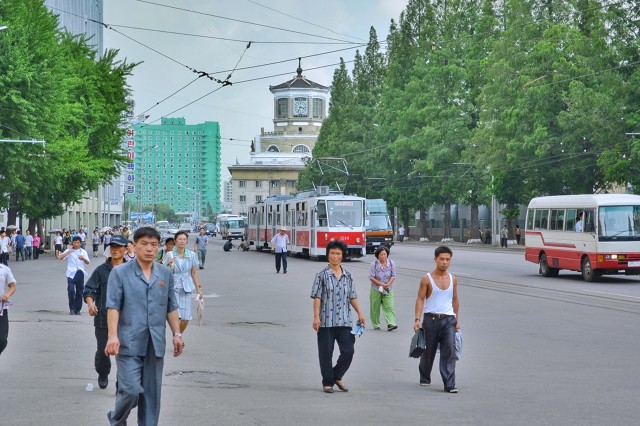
point(312, 232)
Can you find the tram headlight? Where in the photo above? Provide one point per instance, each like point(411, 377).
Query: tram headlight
point(358, 240)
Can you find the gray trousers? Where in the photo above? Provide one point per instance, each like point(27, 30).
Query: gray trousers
point(139, 383)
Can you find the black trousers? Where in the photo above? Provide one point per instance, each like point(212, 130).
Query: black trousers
point(327, 337)
point(102, 362)
point(4, 329)
point(442, 332)
point(281, 257)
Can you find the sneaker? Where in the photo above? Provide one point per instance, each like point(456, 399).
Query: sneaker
point(452, 390)
point(103, 382)
point(423, 383)
point(327, 389)
point(392, 327)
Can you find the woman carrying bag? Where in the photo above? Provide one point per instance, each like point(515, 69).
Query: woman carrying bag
point(382, 274)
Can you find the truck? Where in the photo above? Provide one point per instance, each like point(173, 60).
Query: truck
point(378, 225)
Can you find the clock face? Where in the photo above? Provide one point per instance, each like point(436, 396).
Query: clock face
point(300, 107)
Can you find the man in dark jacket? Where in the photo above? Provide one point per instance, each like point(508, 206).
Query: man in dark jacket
point(95, 296)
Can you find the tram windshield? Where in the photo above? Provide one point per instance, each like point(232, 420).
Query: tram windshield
point(345, 213)
point(619, 223)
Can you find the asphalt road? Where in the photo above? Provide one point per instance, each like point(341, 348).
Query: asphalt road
point(536, 350)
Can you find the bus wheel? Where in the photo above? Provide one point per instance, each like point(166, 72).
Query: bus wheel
point(545, 270)
point(587, 271)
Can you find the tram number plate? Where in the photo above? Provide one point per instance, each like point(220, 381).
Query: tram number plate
point(634, 264)
point(377, 244)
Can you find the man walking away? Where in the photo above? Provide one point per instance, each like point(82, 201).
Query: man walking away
point(19, 240)
point(332, 292)
point(279, 244)
point(200, 247)
point(504, 236)
point(437, 304)
point(28, 245)
point(95, 296)
point(140, 301)
point(77, 258)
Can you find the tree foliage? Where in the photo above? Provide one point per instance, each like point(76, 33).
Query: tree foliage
point(55, 87)
point(517, 98)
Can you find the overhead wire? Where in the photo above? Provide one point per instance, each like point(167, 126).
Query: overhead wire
point(240, 21)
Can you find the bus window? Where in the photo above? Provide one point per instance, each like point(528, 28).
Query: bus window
point(530, 214)
point(557, 220)
point(571, 220)
point(542, 219)
point(589, 220)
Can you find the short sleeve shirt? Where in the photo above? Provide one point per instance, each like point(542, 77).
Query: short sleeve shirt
point(201, 242)
point(383, 274)
point(6, 277)
point(335, 297)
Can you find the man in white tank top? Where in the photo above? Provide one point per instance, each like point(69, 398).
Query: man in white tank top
point(437, 312)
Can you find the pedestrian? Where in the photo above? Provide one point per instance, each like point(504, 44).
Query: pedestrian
point(66, 240)
point(28, 245)
point(4, 247)
point(504, 236)
point(95, 241)
point(332, 292)
point(130, 254)
point(401, 233)
point(438, 305)
point(140, 301)
point(8, 286)
point(19, 244)
point(169, 244)
point(487, 236)
point(382, 274)
point(200, 246)
point(58, 241)
point(83, 238)
point(184, 265)
point(95, 296)
point(228, 245)
point(518, 232)
point(36, 246)
point(279, 244)
point(77, 258)
point(106, 239)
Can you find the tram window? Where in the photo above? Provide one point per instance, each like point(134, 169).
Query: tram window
point(322, 213)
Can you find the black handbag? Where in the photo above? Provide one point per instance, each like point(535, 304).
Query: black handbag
point(418, 344)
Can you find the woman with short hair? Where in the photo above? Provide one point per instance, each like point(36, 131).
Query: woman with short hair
point(382, 274)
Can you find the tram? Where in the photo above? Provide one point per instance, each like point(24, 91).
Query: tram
point(312, 219)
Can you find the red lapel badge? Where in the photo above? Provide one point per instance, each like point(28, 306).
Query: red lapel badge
point(161, 283)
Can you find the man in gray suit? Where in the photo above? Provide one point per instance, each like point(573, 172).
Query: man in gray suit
point(140, 298)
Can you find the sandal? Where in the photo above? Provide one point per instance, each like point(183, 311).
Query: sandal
point(327, 389)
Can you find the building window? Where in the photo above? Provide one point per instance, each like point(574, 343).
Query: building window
point(301, 149)
point(258, 184)
point(242, 184)
point(318, 109)
point(243, 198)
point(258, 198)
point(273, 148)
point(275, 183)
point(282, 108)
point(291, 184)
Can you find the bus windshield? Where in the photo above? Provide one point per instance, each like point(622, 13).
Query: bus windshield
point(235, 222)
point(345, 213)
point(619, 223)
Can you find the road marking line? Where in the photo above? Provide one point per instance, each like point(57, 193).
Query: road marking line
point(611, 294)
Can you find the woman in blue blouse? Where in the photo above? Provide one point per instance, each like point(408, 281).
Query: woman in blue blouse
point(184, 264)
point(382, 274)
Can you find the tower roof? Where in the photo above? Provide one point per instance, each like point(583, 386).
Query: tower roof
point(299, 82)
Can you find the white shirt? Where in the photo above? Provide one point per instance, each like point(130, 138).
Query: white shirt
point(73, 263)
point(4, 244)
point(280, 242)
point(59, 239)
point(6, 278)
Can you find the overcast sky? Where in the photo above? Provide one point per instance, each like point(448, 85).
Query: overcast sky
point(243, 108)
